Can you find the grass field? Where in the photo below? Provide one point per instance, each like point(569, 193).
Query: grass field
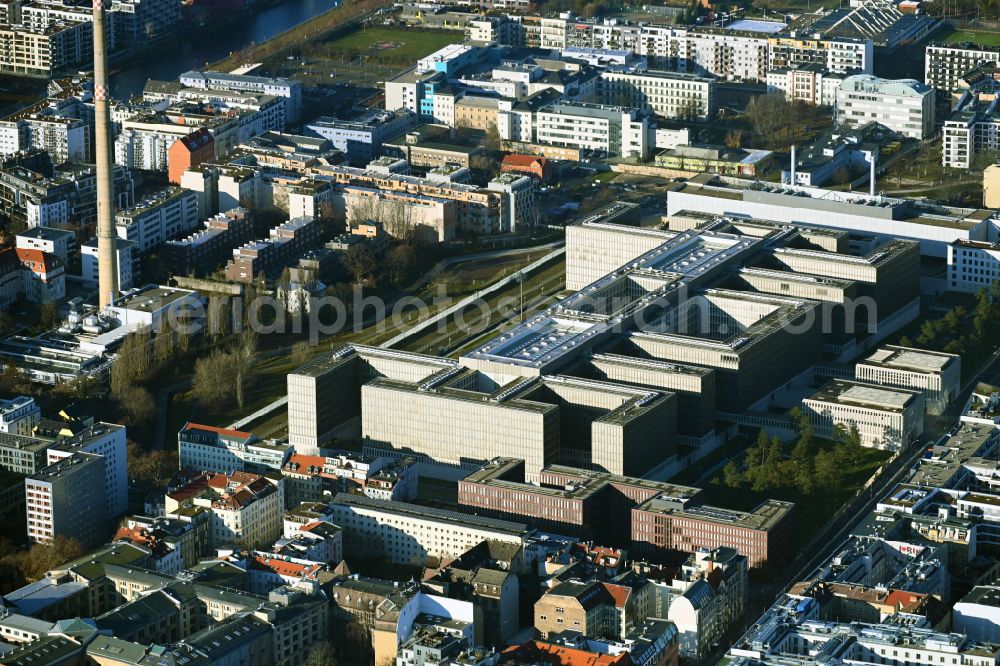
point(398, 44)
point(981, 37)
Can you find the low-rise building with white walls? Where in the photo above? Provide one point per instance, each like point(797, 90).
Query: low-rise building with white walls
point(936, 374)
point(885, 418)
point(905, 106)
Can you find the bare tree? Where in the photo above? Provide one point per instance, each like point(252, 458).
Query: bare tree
point(360, 261)
point(301, 352)
point(213, 379)
point(138, 404)
point(398, 220)
point(244, 359)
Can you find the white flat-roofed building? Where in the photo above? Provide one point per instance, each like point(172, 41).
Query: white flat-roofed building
point(409, 534)
point(905, 106)
point(936, 374)
point(19, 415)
point(225, 450)
point(667, 94)
point(886, 418)
point(289, 90)
point(611, 130)
point(127, 257)
point(972, 265)
point(60, 242)
point(158, 218)
point(972, 129)
point(361, 139)
point(977, 614)
point(517, 208)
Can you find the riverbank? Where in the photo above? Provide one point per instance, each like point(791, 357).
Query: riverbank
point(308, 31)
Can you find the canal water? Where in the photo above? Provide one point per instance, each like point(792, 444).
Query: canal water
point(195, 49)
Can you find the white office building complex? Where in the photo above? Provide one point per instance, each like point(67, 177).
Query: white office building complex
point(935, 374)
point(210, 449)
point(810, 83)
point(667, 94)
point(905, 106)
point(608, 130)
point(19, 415)
point(410, 534)
point(158, 218)
point(886, 418)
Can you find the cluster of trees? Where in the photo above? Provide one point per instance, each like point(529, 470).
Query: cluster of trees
point(21, 566)
point(141, 357)
point(153, 467)
point(227, 372)
point(952, 334)
point(808, 467)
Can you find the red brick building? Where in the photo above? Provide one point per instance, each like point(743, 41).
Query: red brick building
point(530, 165)
point(187, 152)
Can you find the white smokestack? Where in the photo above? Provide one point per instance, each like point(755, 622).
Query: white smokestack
point(871, 177)
point(792, 179)
point(107, 278)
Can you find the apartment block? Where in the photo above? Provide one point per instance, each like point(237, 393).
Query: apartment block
point(885, 418)
point(946, 64)
point(59, 48)
point(223, 450)
point(667, 94)
point(68, 499)
point(361, 138)
point(245, 507)
point(935, 374)
point(972, 129)
point(605, 130)
point(108, 441)
point(289, 90)
point(811, 83)
point(58, 242)
point(905, 106)
point(127, 259)
point(18, 416)
point(204, 250)
point(284, 244)
point(136, 21)
point(158, 218)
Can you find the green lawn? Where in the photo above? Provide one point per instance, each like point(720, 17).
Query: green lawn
point(402, 44)
point(983, 38)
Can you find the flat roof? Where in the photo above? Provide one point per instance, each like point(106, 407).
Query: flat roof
point(426, 513)
point(868, 396)
point(914, 360)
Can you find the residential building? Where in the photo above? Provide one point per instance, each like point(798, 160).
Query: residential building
point(905, 106)
point(517, 209)
point(54, 241)
point(667, 94)
point(18, 416)
point(245, 507)
point(68, 499)
point(946, 64)
point(188, 152)
point(977, 614)
point(935, 374)
point(268, 257)
point(972, 265)
point(811, 83)
point(23, 454)
point(885, 418)
point(44, 276)
point(605, 130)
point(158, 218)
point(531, 165)
point(127, 259)
point(204, 250)
point(289, 90)
point(210, 449)
point(972, 129)
point(45, 53)
point(136, 21)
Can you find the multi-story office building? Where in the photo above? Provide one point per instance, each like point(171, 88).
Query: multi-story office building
point(517, 208)
point(223, 450)
point(68, 499)
point(158, 218)
point(905, 106)
point(23, 454)
point(885, 418)
point(410, 534)
point(289, 90)
point(667, 94)
point(935, 374)
point(127, 260)
point(972, 129)
point(361, 139)
point(108, 441)
point(204, 250)
point(245, 507)
point(946, 64)
point(811, 83)
point(972, 265)
point(594, 128)
point(18, 416)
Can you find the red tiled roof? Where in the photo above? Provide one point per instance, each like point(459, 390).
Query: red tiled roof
point(38, 261)
point(539, 652)
point(226, 432)
point(619, 593)
point(197, 139)
point(285, 568)
point(525, 160)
